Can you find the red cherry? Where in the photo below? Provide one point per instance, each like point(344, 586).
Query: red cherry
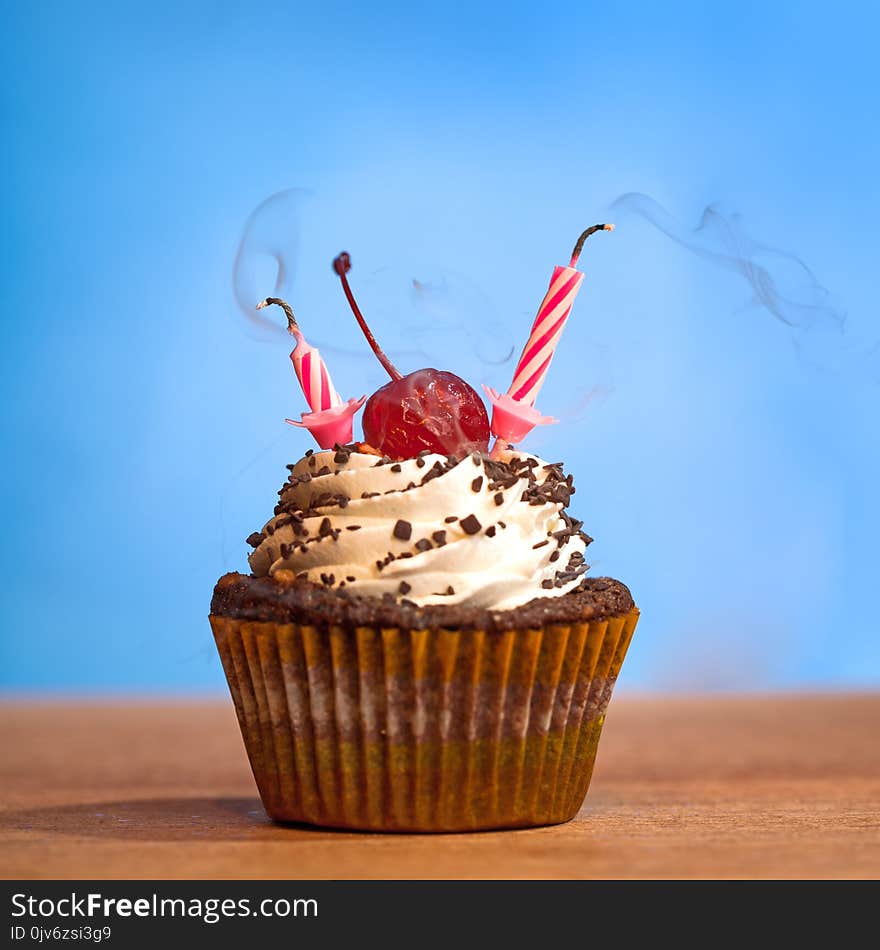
point(429, 409)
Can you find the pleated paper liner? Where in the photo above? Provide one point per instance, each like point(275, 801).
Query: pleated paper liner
point(427, 730)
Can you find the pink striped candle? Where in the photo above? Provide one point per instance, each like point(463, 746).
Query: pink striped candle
point(313, 376)
point(546, 331)
point(330, 419)
point(513, 413)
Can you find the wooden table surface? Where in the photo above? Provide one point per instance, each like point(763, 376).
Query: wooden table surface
point(765, 786)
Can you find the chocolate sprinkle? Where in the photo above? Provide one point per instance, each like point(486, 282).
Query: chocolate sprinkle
point(490, 531)
point(255, 539)
point(450, 519)
point(439, 537)
point(402, 530)
point(404, 588)
point(499, 498)
point(423, 544)
point(477, 483)
point(471, 524)
point(396, 467)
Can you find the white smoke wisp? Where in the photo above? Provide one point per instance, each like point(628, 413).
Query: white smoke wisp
point(267, 253)
point(779, 282)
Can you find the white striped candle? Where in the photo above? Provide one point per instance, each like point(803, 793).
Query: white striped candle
point(513, 413)
point(313, 376)
point(310, 369)
point(330, 419)
point(546, 331)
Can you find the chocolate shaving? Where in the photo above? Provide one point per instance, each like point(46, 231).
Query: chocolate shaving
point(402, 530)
point(471, 524)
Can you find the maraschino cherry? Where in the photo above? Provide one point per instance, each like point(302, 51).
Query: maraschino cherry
point(428, 409)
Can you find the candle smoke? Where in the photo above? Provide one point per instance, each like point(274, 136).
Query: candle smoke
point(267, 252)
point(441, 318)
point(454, 307)
point(779, 282)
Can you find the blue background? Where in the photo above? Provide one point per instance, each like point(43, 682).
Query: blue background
point(726, 474)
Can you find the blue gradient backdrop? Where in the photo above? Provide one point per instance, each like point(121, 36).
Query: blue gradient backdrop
point(729, 480)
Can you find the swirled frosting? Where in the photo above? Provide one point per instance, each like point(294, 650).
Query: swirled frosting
point(429, 530)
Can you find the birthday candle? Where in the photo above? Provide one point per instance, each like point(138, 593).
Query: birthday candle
point(330, 419)
point(513, 413)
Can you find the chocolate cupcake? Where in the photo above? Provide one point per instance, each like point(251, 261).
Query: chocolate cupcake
point(417, 647)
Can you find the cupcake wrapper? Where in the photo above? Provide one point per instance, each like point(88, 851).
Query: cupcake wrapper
point(427, 730)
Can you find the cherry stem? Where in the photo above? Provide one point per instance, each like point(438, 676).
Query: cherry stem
point(342, 265)
point(292, 325)
point(576, 253)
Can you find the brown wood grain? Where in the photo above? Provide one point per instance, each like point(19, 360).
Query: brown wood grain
point(761, 786)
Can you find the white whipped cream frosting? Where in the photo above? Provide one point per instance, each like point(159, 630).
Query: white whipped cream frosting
point(500, 552)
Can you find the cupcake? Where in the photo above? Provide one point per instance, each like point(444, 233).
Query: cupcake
point(418, 645)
